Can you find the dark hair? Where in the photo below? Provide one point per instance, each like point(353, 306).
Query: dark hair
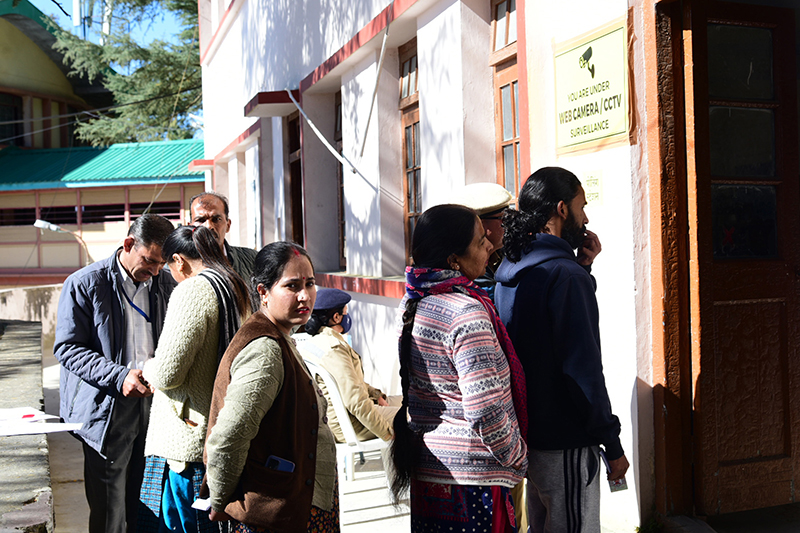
point(150, 229)
point(320, 318)
point(536, 204)
point(440, 232)
point(271, 262)
point(218, 196)
point(199, 242)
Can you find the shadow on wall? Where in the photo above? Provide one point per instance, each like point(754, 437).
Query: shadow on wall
point(297, 33)
point(33, 304)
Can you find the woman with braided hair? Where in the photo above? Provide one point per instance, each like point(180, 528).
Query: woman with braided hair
point(459, 435)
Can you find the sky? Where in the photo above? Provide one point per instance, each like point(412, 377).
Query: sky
point(160, 29)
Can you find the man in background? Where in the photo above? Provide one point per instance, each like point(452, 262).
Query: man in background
point(489, 201)
point(210, 209)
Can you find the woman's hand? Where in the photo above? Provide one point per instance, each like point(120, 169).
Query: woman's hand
point(218, 516)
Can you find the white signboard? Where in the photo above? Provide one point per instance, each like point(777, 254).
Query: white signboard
point(591, 74)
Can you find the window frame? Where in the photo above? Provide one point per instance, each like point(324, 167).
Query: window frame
point(338, 143)
point(408, 52)
point(509, 50)
point(506, 75)
point(409, 120)
point(409, 110)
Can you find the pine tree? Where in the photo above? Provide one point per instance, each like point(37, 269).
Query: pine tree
point(155, 85)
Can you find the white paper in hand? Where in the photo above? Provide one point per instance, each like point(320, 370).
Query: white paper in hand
point(202, 505)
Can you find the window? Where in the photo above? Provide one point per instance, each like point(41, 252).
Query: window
point(170, 210)
point(409, 107)
point(21, 216)
point(295, 202)
point(507, 125)
point(409, 82)
point(337, 138)
point(411, 181)
point(95, 214)
point(99, 214)
point(505, 23)
point(10, 112)
point(60, 215)
point(506, 93)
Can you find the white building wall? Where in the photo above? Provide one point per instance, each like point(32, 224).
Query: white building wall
point(236, 180)
point(478, 89)
point(374, 334)
point(299, 35)
point(279, 166)
point(612, 218)
point(321, 194)
point(251, 226)
point(456, 100)
point(361, 190)
point(265, 211)
point(388, 122)
point(441, 108)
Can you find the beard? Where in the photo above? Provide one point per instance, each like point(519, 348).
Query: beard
point(572, 232)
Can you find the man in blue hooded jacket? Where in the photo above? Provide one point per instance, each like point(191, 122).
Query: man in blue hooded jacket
point(546, 298)
point(110, 316)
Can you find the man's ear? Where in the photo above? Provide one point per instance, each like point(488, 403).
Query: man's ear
point(128, 243)
point(562, 209)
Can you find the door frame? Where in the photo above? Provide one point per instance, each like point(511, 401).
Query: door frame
point(675, 295)
point(670, 275)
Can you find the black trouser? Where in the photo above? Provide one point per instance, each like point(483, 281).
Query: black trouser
point(113, 483)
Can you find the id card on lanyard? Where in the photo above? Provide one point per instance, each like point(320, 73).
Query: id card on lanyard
point(136, 307)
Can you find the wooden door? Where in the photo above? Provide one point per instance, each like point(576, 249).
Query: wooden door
point(739, 67)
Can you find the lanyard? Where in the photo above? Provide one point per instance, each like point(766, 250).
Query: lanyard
point(125, 294)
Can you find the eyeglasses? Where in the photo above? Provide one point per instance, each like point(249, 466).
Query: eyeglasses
point(495, 217)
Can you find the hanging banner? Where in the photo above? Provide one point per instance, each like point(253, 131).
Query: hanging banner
point(591, 74)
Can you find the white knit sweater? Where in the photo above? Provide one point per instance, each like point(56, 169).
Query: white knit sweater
point(183, 373)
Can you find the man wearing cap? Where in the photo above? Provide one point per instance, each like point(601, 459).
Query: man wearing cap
point(489, 200)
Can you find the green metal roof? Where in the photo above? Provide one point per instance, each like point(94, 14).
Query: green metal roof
point(118, 164)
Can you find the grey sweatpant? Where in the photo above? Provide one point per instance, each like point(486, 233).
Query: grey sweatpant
point(564, 490)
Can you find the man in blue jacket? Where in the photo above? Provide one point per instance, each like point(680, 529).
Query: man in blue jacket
point(110, 316)
point(546, 298)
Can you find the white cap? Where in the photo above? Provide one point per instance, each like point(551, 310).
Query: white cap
point(484, 198)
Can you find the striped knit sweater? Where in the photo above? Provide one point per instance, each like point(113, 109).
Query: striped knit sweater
point(460, 396)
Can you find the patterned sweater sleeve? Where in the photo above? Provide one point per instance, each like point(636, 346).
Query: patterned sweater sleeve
point(256, 379)
point(486, 393)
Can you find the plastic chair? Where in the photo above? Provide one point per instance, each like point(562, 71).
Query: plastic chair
point(345, 451)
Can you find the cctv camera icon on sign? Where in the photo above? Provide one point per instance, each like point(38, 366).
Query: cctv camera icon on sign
point(584, 61)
